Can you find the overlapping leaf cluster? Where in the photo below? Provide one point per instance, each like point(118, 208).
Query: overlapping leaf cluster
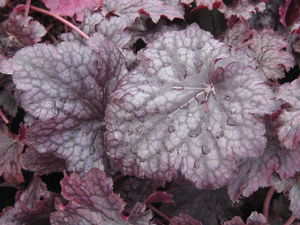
point(150, 101)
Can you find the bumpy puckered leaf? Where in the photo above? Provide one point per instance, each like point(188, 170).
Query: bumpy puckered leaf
point(266, 47)
point(24, 28)
point(5, 65)
point(10, 153)
point(70, 7)
point(289, 131)
point(33, 206)
point(65, 88)
point(184, 109)
point(130, 9)
point(91, 201)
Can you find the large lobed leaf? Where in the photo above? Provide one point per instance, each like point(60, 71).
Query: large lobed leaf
point(65, 87)
point(189, 107)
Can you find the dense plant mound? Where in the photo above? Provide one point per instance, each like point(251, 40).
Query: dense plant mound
point(150, 112)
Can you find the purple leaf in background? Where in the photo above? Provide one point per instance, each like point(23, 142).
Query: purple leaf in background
point(292, 188)
point(254, 219)
point(131, 9)
point(294, 196)
point(70, 7)
point(91, 200)
point(25, 29)
point(207, 206)
point(266, 48)
point(33, 206)
point(183, 110)
point(289, 119)
point(289, 12)
point(257, 172)
point(7, 102)
point(10, 154)
point(242, 8)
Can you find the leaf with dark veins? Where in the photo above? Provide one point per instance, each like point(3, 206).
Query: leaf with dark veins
point(64, 87)
point(91, 201)
point(131, 9)
point(268, 49)
point(289, 119)
point(10, 154)
point(190, 107)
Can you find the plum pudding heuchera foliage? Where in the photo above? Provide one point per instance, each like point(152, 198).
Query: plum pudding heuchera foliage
point(147, 113)
point(177, 111)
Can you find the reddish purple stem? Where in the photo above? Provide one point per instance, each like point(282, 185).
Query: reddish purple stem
point(3, 117)
point(267, 202)
point(64, 21)
point(290, 220)
point(161, 214)
point(27, 7)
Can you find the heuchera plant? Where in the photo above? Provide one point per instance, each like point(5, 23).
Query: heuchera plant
point(177, 112)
